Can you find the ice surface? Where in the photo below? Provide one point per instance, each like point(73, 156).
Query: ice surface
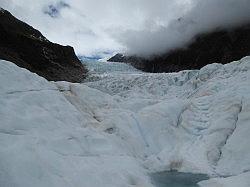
point(99, 67)
point(242, 180)
point(118, 128)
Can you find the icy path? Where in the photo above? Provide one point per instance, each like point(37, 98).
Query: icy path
point(116, 128)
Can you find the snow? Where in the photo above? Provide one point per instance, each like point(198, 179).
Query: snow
point(117, 127)
point(99, 67)
point(44, 141)
point(242, 180)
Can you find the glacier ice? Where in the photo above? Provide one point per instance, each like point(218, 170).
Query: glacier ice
point(116, 129)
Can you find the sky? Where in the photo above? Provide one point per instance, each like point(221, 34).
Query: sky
point(100, 28)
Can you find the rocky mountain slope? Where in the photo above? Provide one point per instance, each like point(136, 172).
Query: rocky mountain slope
point(28, 48)
point(220, 46)
point(116, 130)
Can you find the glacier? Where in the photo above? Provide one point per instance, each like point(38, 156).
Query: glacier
point(115, 128)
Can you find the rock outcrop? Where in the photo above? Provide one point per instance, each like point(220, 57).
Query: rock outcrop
point(28, 48)
point(220, 46)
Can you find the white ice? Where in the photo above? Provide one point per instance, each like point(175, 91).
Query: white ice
point(116, 128)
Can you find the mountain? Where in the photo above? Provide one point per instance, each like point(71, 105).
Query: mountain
point(28, 48)
point(220, 46)
point(121, 126)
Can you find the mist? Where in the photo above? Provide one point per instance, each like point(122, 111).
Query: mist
point(202, 16)
point(136, 27)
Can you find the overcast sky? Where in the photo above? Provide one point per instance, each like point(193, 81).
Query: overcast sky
point(143, 27)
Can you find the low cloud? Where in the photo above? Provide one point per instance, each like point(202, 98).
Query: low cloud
point(200, 16)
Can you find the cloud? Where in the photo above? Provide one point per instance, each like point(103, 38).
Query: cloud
point(79, 23)
point(142, 27)
point(199, 16)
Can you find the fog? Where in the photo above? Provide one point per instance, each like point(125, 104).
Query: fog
point(141, 27)
point(202, 16)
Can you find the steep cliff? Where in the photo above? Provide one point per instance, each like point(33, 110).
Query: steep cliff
point(28, 48)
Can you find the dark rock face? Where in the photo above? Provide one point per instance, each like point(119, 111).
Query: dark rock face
point(221, 46)
point(28, 48)
point(138, 62)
